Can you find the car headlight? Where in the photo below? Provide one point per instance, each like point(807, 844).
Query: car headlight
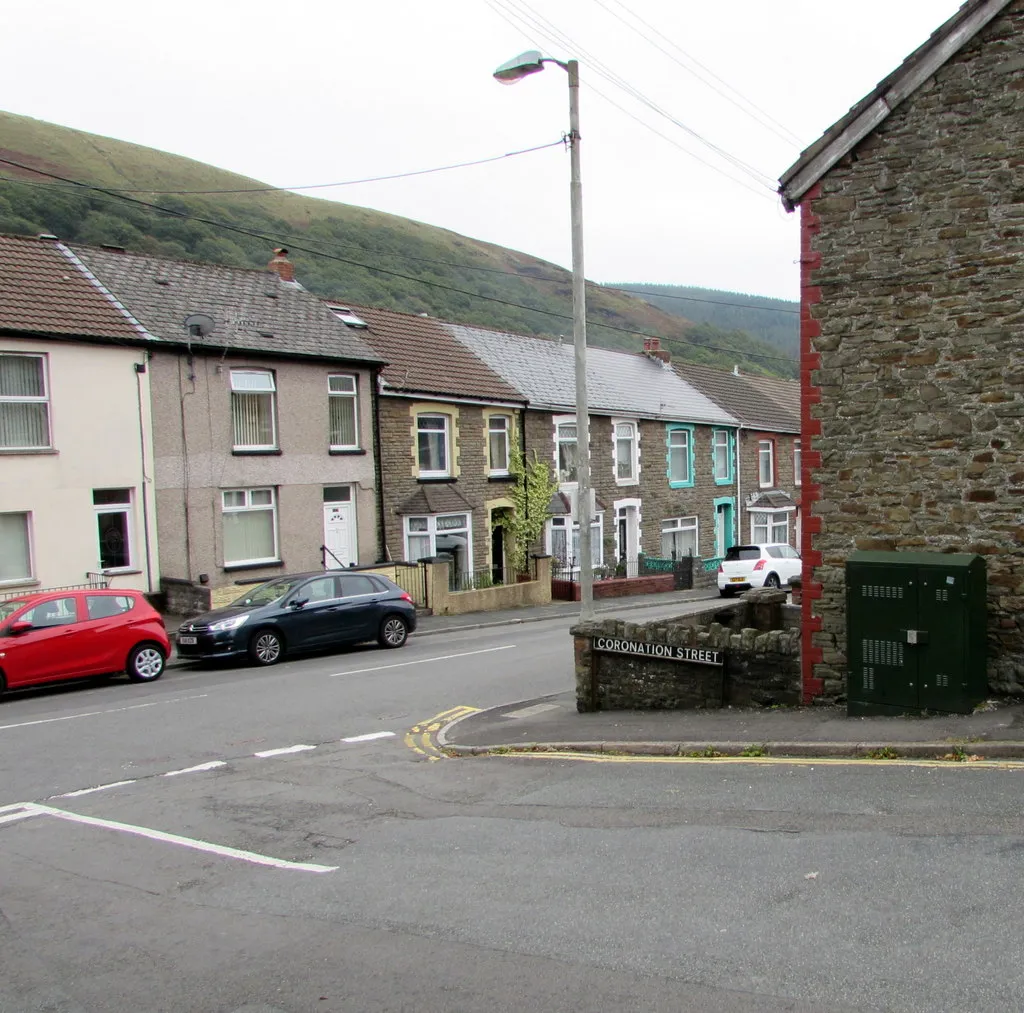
point(228, 624)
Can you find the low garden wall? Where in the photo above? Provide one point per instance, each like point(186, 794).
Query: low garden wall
point(445, 602)
point(744, 653)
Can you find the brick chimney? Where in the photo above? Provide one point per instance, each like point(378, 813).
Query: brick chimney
point(282, 266)
point(653, 350)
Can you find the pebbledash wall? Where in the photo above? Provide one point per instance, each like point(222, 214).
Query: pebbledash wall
point(912, 360)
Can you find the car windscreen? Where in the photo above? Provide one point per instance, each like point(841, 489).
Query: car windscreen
point(735, 552)
point(266, 594)
point(8, 608)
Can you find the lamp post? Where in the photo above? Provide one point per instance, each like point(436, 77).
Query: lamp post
point(509, 73)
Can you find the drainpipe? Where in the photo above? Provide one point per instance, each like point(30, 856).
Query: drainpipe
point(140, 368)
point(378, 471)
point(738, 534)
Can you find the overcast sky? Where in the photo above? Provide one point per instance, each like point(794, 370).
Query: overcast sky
point(315, 91)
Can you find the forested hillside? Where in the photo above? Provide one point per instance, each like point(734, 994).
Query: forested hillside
point(340, 251)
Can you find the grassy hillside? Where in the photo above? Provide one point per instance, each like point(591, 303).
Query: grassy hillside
point(340, 251)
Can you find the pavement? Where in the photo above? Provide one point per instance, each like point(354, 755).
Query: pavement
point(995, 731)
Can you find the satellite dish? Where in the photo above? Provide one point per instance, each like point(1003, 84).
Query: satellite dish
point(199, 325)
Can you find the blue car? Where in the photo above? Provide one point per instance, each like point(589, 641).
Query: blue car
point(305, 612)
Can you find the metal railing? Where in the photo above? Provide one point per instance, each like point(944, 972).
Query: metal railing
point(95, 585)
point(487, 576)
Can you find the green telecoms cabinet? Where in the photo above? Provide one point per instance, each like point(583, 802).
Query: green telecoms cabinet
point(915, 632)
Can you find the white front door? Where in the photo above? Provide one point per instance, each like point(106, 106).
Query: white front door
point(339, 535)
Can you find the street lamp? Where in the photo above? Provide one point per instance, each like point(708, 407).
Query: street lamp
point(515, 70)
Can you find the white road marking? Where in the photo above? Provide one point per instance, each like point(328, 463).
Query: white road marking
point(281, 752)
point(89, 791)
point(212, 765)
point(92, 714)
point(185, 842)
point(421, 661)
point(18, 812)
point(529, 712)
point(369, 737)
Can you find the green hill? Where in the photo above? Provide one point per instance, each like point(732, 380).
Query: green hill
point(776, 321)
point(340, 251)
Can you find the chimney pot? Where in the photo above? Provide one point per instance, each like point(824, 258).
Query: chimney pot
point(281, 265)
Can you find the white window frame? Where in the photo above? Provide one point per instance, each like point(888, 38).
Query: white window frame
point(797, 462)
point(250, 507)
point(44, 399)
point(432, 532)
point(446, 444)
point(766, 528)
point(674, 525)
point(29, 554)
point(721, 442)
point(633, 478)
point(559, 421)
point(765, 452)
point(572, 529)
point(353, 396)
point(506, 429)
point(248, 384)
point(125, 507)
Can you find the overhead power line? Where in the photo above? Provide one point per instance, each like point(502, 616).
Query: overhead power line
point(527, 14)
point(560, 279)
point(239, 230)
point(348, 182)
point(755, 112)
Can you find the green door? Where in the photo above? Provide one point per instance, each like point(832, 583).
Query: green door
point(882, 604)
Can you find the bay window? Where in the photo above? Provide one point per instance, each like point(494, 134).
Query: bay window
point(768, 527)
point(679, 537)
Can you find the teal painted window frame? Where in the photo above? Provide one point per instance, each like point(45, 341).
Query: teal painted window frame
point(669, 429)
point(730, 479)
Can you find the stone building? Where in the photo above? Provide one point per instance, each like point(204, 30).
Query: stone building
point(447, 427)
point(767, 448)
point(661, 453)
point(912, 367)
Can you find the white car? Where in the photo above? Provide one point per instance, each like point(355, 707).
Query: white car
point(747, 566)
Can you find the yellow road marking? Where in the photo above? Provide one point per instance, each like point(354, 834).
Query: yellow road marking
point(793, 761)
point(421, 738)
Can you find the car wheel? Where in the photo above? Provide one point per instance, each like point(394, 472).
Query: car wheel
point(394, 631)
point(772, 580)
point(266, 647)
point(145, 663)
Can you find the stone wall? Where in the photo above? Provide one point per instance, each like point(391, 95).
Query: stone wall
point(180, 597)
point(445, 602)
point(912, 355)
point(758, 635)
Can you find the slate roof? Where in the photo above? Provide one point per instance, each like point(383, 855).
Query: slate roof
point(441, 498)
point(872, 110)
point(42, 292)
point(618, 383)
point(768, 404)
point(773, 500)
point(252, 310)
point(425, 358)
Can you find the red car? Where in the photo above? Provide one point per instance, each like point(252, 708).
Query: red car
point(57, 635)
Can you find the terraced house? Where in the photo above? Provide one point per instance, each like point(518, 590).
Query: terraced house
point(263, 426)
point(766, 448)
point(447, 428)
point(661, 453)
point(76, 433)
